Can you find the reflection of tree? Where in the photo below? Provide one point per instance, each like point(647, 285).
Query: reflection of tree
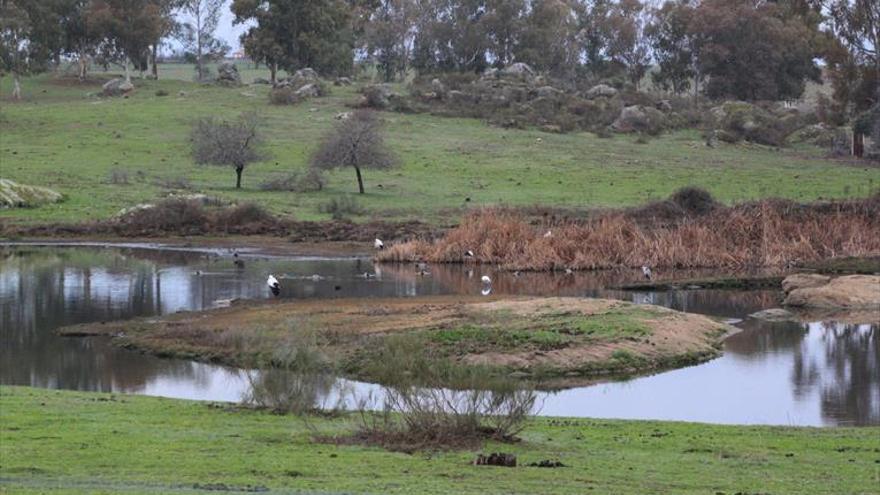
point(288, 391)
point(852, 360)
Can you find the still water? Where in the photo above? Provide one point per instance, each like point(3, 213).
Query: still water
point(818, 373)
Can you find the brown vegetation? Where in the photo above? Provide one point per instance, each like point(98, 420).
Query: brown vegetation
point(682, 234)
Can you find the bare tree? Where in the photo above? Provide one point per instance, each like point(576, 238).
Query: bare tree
point(355, 142)
point(198, 34)
point(220, 142)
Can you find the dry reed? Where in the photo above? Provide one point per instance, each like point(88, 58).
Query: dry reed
point(767, 233)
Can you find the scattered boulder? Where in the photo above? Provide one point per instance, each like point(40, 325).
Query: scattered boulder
point(15, 195)
point(227, 74)
point(637, 118)
point(774, 314)
point(342, 116)
point(438, 87)
point(496, 459)
point(116, 87)
point(804, 281)
point(664, 106)
point(342, 81)
point(519, 70)
point(377, 96)
point(819, 134)
point(601, 91)
point(459, 98)
point(261, 80)
point(547, 463)
point(308, 91)
point(548, 92)
point(850, 291)
point(737, 120)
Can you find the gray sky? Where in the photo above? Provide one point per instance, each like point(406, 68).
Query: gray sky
point(225, 30)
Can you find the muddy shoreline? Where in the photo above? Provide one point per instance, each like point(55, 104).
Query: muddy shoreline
point(563, 341)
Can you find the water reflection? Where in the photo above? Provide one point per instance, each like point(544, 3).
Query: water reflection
point(779, 373)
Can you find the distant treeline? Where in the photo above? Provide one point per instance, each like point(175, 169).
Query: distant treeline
point(742, 49)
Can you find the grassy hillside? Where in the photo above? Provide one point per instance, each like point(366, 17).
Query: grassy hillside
point(68, 442)
point(62, 138)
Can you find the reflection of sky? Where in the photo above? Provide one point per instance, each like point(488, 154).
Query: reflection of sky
point(770, 374)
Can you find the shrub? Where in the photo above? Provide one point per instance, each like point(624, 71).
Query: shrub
point(118, 177)
point(161, 92)
point(284, 95)
point(245, 213)
point(341, 207)
point(694, 200)
point(175, 183)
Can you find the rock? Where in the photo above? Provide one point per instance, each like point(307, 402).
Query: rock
point(438, 87)
point(308, 91)
point(663, 106)
point(518, 70)
point(342, 81)
point(15, 195)
point(547, 463)
point(803, 281)
point(227, 74)
point(261, 80)
point(496, 459)
point(548, 92)
point(555, 129)
point(116, 87)
point(774, 314)
point(342, 116)
point(637, 118)
point(377, 96)
point(601, 91)
point(851, 291)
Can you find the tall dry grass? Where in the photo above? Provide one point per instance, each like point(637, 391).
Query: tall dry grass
point(765, 233)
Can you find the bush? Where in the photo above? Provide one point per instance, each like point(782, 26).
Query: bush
point(285, 95)
point(310, 181)
point(174, 183)
point(161, 92)
point(340, 207)
point(694, 200)
point(118, 177)
point(246, 213)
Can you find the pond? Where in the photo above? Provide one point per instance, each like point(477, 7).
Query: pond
point(817, 373)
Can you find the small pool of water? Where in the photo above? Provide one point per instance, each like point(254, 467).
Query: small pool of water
point(818, 373)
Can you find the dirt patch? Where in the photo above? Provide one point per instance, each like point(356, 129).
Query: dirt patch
point(850, 291)
point(535, 337)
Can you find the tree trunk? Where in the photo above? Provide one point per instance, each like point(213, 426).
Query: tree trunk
point(127, 72)
point(238, 171)
point(858, 144)
point(82, 66)
point(360, 180)
point(154, 55)
point(16, 86)
point(273, 69)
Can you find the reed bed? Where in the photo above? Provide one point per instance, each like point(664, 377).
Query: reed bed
point(769, 233)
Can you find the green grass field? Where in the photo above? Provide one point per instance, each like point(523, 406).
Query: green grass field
point(63, 138)
point(69, 442)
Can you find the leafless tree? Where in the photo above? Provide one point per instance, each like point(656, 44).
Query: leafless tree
point(220, 142)
point(355, 142)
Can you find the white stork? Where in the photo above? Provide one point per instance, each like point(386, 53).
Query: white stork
point(274, 286)
point(378, 244)
point(486, 280)
point(647, 272)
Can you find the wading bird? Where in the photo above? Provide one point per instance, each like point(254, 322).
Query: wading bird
point(378, 244)
point(486, 280)
point(468, 254)
point(274, 286)
point(647, 272)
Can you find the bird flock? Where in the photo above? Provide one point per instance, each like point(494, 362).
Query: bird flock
point(422, 271)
